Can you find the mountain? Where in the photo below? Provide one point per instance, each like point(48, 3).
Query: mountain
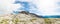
point(22, 17)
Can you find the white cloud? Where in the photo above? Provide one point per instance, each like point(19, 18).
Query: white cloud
point(45, 7)
point(6, 6)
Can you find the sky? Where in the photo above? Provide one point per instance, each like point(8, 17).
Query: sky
point(44, 7)
point(6, 6)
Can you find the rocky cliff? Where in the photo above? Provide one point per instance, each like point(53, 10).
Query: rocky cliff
point(21, 18)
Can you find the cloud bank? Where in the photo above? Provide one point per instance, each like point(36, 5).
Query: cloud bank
point(39, 7)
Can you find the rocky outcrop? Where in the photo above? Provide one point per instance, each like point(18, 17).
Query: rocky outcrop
point(21, 18)
point(25, 17)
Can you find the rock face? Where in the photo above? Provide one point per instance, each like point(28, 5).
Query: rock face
point(25, 17)
point(52, 20)
point(21, 18)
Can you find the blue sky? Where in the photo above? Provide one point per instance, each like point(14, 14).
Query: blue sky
point(44, 7)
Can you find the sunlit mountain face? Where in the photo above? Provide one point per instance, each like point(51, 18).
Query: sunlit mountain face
point(29, 11)
point(39, 7)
